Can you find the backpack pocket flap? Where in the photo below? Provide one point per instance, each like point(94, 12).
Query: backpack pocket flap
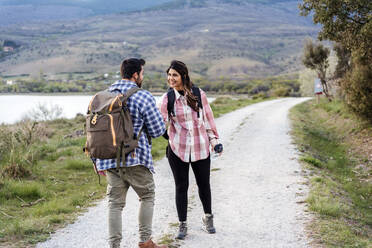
point(98, 123)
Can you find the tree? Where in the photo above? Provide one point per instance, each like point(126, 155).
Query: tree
point(315, 57)
point(343, 60)
point(348, 22)
point(357, 86)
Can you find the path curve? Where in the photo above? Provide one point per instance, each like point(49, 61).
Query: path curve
point(255, 187)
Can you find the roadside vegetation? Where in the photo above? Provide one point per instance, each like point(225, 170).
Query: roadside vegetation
point(337, 151)
point(347, 24)
point(46, 180)
point(277, 86)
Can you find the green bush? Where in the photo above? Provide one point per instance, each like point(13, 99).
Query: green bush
point(281, 91)
point(15, 170)
point(357, 87)
point(261, 95)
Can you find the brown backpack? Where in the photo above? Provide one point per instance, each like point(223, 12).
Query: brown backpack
point(109, 126)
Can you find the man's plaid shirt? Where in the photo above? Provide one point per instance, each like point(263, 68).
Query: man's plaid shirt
point(143, 110)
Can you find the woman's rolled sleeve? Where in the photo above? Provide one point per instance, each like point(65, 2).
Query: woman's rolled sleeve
point(163, 106)
point(209, 123)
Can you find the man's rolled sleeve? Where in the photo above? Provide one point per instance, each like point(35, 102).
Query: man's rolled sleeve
point(153, 119)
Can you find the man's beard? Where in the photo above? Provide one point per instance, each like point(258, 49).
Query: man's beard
point(139, 82)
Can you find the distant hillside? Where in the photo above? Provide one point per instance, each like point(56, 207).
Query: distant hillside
point(206, 3)
point(25, 11)
point(237, 40)
point(96, 6)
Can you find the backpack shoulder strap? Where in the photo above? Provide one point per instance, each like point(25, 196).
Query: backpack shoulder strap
point(171, 99)
point(129, 93)
point(196, 92)
point(126, 95)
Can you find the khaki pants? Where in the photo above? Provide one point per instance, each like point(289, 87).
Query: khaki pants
point(119, 181)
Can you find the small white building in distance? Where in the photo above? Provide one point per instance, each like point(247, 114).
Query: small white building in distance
point(8, 49)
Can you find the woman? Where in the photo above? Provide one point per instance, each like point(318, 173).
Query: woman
point(191, 132)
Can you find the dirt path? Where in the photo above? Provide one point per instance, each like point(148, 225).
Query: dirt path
point(255, 187)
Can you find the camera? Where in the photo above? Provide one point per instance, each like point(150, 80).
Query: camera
point(218, 148)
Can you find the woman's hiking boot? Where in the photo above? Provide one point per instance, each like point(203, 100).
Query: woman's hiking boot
point(115, 245)
point(208, 223)
point(182, 230)
point(150, 244)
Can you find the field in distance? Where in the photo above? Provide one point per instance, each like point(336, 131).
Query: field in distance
point(224, 38)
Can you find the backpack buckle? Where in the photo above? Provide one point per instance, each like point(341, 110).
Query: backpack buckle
point(94, 119)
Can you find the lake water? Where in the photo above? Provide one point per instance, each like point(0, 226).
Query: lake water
point(14, 107)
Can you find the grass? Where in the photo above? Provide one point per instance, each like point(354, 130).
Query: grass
point(168, 239)
point(28, 190)
point(60, 186)
point(60, 182)
point(340, 192)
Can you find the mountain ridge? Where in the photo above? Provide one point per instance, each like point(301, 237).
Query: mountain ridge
point(240, 40)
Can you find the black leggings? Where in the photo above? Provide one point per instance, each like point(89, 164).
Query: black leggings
point(180, 171)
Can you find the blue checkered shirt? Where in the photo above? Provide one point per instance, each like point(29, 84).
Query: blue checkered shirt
point(143, 110)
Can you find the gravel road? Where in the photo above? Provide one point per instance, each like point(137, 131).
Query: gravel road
point(256, 190)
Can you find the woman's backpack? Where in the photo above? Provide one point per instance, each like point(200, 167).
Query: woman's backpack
point(172, 98)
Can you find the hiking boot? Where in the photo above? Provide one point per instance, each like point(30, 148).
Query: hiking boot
point(208, 223)
point(182, 230)
point(115, 245)
point(150, 244)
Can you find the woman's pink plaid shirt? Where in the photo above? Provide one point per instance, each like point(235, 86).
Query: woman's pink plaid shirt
point(190, 137)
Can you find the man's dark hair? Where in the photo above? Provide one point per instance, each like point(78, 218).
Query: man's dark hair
point(131, 66)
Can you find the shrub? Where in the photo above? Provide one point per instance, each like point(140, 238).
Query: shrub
point(261, 95)
point(20, 136)
point(5, 142)
point(45, 113)
point(259, 88)
point(357, 87)
point(281, 91)
point(15, 171)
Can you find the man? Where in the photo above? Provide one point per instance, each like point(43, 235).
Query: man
point(138, 169)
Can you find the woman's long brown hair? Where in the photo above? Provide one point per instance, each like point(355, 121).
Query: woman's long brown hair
point(181, 68)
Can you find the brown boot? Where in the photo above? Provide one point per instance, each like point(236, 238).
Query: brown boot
point(150, 244)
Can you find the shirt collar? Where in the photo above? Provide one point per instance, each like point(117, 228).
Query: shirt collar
point(177, 94)
point(122, 83)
